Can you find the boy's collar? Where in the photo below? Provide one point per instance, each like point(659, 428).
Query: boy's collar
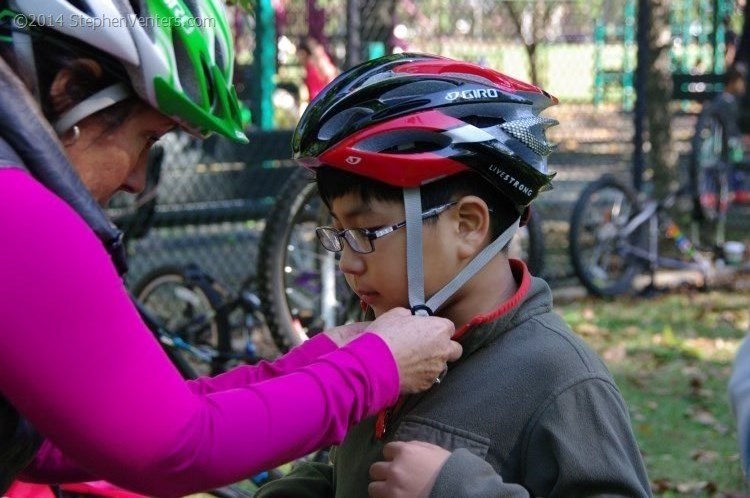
point(384, 420)
point(523, 280)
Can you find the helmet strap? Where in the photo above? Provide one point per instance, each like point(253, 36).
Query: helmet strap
point(23, 49)
point(102, 99)
point(415, 265)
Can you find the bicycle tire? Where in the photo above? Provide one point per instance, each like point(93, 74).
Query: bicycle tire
point(603, 208)
point(198, 303)
point(709, 157)
point(528, 244)
point(290, 263)
point(180, 361)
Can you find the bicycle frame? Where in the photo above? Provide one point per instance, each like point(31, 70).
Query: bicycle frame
point(655, 214)
point(171, 342)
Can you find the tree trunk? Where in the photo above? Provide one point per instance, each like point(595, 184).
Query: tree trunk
point(662, 155)
point(533, 69)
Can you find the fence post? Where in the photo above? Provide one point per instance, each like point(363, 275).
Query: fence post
point(264, 69)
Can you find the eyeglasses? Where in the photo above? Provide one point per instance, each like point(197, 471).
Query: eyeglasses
point(360, 239)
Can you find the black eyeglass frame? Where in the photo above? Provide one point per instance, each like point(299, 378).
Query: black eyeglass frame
point(370, 235)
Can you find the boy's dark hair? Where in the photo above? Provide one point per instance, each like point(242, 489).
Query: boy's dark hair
point(334, 183)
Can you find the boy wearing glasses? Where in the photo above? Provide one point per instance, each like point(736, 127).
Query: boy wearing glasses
point(428, 166)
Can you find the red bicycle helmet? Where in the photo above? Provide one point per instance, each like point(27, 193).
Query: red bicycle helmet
point(409, 119)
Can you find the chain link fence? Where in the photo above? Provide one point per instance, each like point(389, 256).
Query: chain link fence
point(213, 196)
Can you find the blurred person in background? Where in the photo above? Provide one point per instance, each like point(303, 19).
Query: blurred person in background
point(319, 68)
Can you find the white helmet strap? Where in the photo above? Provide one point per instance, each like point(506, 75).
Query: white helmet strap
point(414, 263)
point(102, 99)
point(414, 259)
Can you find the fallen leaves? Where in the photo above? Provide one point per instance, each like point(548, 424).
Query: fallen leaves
point(661, 486)
point(704, 417)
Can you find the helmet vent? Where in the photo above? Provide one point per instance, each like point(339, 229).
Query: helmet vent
point(210, 90)
point(220, 55)
point(417, 89)
point(405, 142)
point(193, 9)
point(186, 71)
point(471, 77)
point(136, 6)
point(81, 5)
point(342, 121)
point(482, 121)
point(395, 109)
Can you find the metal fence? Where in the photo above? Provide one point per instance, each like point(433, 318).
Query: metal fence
point(213, 196)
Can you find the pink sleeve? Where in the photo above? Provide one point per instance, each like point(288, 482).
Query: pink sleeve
point(298, 357)
point(77, 361)
point(50, 465)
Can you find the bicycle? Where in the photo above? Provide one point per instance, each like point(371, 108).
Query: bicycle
point(205, 325)
point(206, 343)
point(301, 288)
point(716, 170)
point(614, 237)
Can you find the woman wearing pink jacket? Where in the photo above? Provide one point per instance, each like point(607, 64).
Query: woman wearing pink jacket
point(86, 392)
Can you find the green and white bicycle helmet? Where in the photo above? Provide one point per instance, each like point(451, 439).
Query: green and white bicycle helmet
point(178, 55)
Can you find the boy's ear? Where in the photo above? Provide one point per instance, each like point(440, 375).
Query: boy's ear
point(473, 224)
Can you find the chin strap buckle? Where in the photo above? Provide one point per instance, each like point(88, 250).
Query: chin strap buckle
point(421, 309)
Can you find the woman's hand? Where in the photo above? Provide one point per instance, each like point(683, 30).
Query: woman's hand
point(408, 471)
point(421, 346)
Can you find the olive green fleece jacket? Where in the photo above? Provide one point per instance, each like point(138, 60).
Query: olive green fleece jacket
point(528, 410)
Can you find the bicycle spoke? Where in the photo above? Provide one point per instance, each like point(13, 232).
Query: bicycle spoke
point(599, 240)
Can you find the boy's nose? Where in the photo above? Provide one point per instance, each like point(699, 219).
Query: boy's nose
point(351, 262)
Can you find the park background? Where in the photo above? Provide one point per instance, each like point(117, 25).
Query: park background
point(629, 99)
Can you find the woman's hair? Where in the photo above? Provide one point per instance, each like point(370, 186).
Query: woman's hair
point(90, 73)
point(334, 183)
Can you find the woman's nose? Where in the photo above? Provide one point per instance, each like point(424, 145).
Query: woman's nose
point(136, 180)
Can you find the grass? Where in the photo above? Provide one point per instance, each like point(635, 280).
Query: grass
point(671, 357)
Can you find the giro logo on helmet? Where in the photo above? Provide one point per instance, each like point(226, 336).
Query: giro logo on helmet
point(353, 160)
point(482, 93)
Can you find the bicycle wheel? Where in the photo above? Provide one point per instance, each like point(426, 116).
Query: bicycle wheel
point(184, 301)
point(601, 253)
point(528, 244)
point(301, 288)
point(708, 165)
